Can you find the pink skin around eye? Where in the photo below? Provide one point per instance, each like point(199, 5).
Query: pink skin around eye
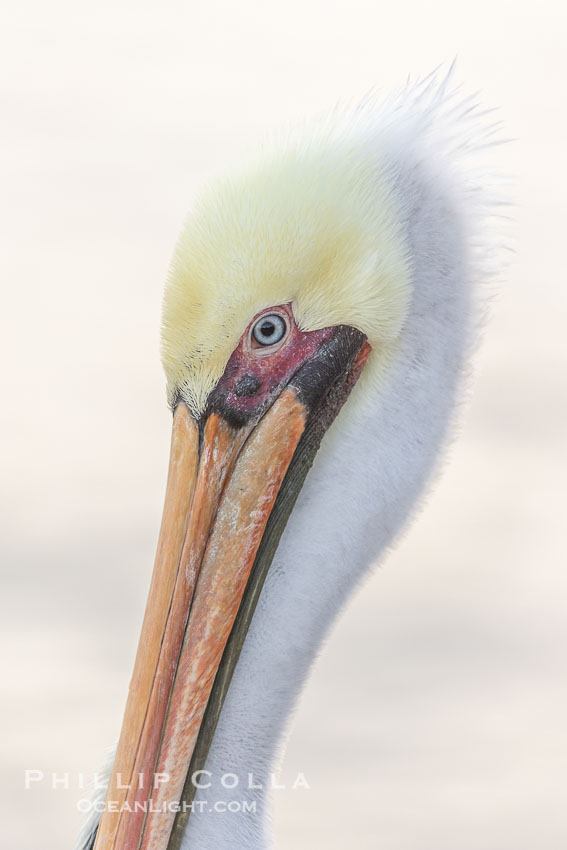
point(263, 372)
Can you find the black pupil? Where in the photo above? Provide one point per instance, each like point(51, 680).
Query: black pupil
point(267, 328)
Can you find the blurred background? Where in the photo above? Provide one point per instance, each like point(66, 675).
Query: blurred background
point(435, 718)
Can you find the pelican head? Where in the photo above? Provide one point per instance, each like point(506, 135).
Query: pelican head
point(329, 280)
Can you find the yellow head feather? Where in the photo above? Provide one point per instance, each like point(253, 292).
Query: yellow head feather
point(313, 223)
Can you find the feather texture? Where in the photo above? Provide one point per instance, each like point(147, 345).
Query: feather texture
point(374, 464)
point(378, 216)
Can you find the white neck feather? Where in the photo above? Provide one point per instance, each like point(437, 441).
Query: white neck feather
point(374, 463)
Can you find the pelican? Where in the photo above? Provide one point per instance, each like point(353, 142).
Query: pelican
point(318, 320)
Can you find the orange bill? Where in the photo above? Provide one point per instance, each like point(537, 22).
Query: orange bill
point(220, 493)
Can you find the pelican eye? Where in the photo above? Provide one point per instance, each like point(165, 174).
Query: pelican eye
point(269, 329)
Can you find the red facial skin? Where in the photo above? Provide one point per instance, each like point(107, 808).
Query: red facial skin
point(271, 367)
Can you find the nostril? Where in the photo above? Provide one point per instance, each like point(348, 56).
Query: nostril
point(247, 386)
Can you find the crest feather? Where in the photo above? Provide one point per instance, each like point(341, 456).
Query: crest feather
point(319, 220)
